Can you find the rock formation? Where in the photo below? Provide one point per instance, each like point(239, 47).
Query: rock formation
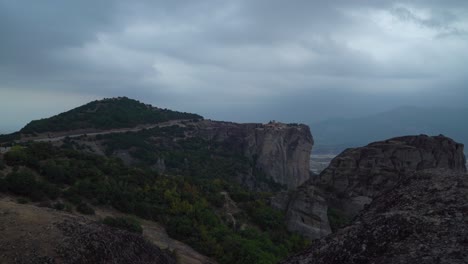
point(281, 151)
point(423, 219)
point(33, 235)
point(356, 176)
point(306, 210)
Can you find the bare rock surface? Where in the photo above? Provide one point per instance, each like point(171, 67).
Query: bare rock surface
point(423, 219)
point(356, 176)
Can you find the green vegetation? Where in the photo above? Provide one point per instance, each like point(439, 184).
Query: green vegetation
point(125, 223)
point(187, 200)
point(22, 200)
point(337, 219)
point(6, 139)
point(187, 156)
point(110, 113)
point(2, 165)
point(85, 209)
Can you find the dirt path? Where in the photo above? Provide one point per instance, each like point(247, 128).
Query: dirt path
point(52, 137)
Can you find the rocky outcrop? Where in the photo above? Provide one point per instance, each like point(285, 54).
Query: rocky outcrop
point(280, 151)
point(356, 176)
point(423, 219)
point(306, 210)
point(96, 243)
point(38, 235)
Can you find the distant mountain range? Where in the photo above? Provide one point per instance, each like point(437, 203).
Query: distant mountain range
point(334, 135)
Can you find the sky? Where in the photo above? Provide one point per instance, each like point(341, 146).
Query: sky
point(245, 60)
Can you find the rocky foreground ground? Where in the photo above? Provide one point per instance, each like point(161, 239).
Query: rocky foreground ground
point(39, 235)
point(424, 219)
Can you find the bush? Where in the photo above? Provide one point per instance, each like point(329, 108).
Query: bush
point(16, 156)
point(59, 206)
point(22, 200)
point(125, 223)
point(2, 164)
point(85, 209)
point(336, 218)
point(54, 173)
point(21, 182)
point(3, 184)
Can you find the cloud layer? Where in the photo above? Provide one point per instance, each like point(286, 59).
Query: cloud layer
point(237, 60)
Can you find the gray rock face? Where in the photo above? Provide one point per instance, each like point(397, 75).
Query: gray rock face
point(356, 176)
point(281, 151)
point(423, 219)
point(306, 211)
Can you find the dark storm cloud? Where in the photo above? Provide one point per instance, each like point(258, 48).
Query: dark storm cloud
point(241, 60)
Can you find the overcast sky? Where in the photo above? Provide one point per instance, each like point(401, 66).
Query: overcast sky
point(246, 60)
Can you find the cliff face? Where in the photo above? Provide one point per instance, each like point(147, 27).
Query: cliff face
point(280, 151)
point(356, 176)
point(424, 218)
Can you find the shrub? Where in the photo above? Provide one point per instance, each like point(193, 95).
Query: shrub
point(68, 208)
point(22, 182)
point(16, 156)
point(336, 218)
point(54, 173)
point(59, 206)
point(125, 223)
point(85, 209)
point(22, 200)
point(3, 184)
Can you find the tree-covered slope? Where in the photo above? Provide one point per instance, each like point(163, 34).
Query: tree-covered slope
point(190, 205)
point(120, 112)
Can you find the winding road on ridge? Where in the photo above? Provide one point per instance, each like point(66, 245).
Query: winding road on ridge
point(50, 137)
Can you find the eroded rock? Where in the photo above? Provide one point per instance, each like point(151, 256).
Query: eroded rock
point(281, 151)
point(356, 176)
point(423, 219)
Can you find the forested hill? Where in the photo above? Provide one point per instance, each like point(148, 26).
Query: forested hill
point(119, 112)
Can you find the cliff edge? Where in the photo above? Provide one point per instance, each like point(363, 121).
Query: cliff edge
point(280, 151)
point(357, 176)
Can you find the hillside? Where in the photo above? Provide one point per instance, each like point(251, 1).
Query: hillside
point(32, 234)
point(186, 175)
point(335, 135)
point(120, 112)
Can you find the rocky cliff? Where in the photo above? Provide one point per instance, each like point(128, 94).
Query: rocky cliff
point(280, 151)
point(423, 219)
point(356, 176)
